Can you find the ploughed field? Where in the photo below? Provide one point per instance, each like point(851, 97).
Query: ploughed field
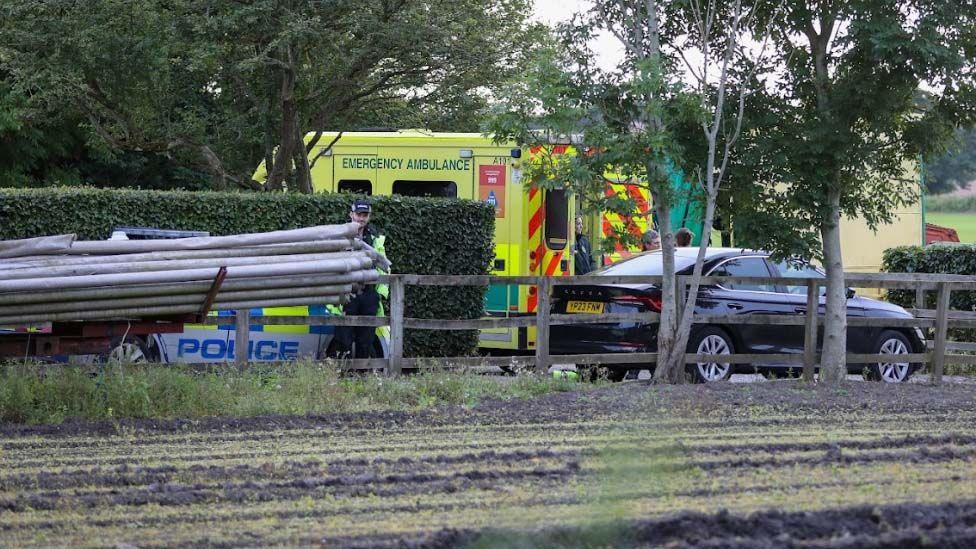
point(765, 464)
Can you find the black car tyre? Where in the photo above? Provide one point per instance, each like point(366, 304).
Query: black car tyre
point(891, 342)
point(711, 341)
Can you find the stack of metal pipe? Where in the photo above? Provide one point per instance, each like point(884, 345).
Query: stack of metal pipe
point(59, 278)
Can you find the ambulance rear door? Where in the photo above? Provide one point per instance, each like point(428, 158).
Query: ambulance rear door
point(493, 185)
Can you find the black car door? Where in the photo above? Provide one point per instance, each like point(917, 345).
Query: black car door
point(796, 296)
point(746, 299)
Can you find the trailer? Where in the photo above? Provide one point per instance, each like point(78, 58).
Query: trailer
point(125, 340)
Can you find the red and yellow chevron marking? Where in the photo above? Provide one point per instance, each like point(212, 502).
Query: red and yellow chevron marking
point(536, 247)
point(634, 225)
point(556, 149)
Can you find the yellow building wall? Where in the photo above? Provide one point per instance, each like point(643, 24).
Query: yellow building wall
point(863, 248)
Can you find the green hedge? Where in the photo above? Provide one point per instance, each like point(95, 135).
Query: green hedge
point(424, 235)
point(937, 259)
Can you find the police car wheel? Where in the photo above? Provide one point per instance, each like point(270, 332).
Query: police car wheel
point(334, 350)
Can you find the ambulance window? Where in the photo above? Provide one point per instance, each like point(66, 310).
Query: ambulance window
point(557, 219)
point(355, 186)
point(446, 189)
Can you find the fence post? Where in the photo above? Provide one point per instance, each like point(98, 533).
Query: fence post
point(919, 298)
point(395, 366)
point(941, 327)
point(542, 325)
point(242, 332)
point(810, 330)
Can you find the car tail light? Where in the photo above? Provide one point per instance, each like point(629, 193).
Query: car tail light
point(651, 303)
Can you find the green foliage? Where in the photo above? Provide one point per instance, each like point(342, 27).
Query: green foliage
point(936, 258)
point(629, 123)
point(843, 123)
point(951, 204)
point(47, 151)
point(424, 235)
point(956, 168)
point(939, 259)
point(35, 393)
point(213, 86)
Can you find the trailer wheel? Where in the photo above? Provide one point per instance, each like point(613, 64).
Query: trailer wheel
point(132, 350)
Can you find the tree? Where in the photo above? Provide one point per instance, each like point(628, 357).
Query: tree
point(120, 70)
point(956, 168)
point(45, 151)
point(219, 85)
point(641, 122)
point(834, 128)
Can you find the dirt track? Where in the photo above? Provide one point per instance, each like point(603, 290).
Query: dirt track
point(863, 465)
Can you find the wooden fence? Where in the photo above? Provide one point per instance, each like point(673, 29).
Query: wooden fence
point(939, 319)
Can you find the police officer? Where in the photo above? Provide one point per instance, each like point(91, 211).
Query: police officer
point(583, 253)
point(367, 303)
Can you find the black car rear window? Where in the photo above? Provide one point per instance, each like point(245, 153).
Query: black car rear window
point(644, 264)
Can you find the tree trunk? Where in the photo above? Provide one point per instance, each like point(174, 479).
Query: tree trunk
point(269, 124)
point(833, 364)
point(289, 122)
point(677, 363)
point(303, 171)
point(670, 368)
point(216, 168)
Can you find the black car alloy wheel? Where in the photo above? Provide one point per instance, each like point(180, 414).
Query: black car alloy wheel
point(711, 341)
point(891, 342)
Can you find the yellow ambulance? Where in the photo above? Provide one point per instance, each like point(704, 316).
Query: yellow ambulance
point(533, 227)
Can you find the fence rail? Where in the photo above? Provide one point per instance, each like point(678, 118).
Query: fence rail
point(939, 319)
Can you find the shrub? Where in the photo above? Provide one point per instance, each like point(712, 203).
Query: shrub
point(424, 235)
point(951, 204)
point(939, 258)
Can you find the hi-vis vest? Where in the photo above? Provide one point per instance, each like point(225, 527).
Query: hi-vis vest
point(379, 244)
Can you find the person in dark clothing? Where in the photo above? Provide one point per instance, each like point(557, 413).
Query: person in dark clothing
point(683, 237)
point(583, 253)
point(367, 302)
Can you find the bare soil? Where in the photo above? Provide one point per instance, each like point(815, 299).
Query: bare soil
point(613, 402)
point(777, 464)
point(893, 526)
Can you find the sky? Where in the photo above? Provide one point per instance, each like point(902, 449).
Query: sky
point(608, 49)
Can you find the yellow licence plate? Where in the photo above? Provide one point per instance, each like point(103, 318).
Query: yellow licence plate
point(593, 307)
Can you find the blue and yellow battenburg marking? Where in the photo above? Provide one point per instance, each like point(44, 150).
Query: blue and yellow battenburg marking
point(309, 310)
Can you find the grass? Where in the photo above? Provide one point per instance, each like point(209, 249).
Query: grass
point(40, 393)
point(963, 223)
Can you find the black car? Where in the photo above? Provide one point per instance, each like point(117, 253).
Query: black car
point(725, 299)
